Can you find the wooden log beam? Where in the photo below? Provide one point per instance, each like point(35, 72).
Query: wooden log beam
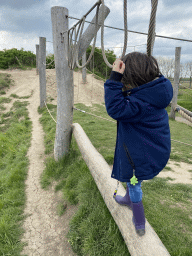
point(147, 245)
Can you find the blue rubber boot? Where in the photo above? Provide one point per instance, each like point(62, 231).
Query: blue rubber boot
point(124, 200)
point(139, 218)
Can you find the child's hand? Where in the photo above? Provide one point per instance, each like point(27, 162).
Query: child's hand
point(119, 66)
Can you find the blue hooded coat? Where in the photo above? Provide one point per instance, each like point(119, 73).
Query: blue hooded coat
point(143, 138)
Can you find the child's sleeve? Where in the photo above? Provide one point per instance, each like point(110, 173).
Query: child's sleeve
point(120, 108)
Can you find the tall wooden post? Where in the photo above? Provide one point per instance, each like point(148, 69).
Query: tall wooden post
point(84, 69)
point(176, 81)
point(64, 75)
point(37, 59)
point(42, 70)
point(65, 89)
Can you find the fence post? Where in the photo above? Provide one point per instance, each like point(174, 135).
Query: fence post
point(176, 81)
point(65, 88)
point(37, 59)
point(84, 69)
point(42, 70)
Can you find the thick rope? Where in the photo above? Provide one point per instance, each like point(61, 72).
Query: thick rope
point(73, 49)
point(93, 48)
point(151, 31)
point(125, 34)
point(182, 113)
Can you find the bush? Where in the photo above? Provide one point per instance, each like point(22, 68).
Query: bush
point(17, 58)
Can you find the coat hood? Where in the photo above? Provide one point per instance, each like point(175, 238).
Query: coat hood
point(157, 93)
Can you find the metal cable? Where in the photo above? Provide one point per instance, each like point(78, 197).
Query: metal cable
point(132, 31)
point(107, 120)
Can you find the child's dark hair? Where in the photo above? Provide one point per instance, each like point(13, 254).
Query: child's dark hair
point(139, 69)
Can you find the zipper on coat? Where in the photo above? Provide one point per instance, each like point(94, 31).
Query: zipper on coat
point(128, 156)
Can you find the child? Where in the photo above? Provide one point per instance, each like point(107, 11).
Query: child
point(136, 95)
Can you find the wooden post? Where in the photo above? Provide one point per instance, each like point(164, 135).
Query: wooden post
point(147, 245)
point(37, 59)
point(65, 88)
point(84, 69)
point(176, 81)
point(42, 70)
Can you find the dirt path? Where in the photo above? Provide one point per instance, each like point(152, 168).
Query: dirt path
point(45, 230)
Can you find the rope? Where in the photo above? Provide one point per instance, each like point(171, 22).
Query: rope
point(151, 31)
point(74, 48)
point(182, 113)
point(115, 123)
point(110, 121)
point(47, 65)
point(49, 112)
point(93, 49)
point(94, 115)
point(125, 34)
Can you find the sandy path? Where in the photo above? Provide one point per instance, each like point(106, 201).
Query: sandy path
point(45, 230)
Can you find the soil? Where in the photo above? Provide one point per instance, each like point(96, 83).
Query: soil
point(45, 230)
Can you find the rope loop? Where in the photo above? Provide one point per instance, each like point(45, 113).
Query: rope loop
point(125, 34)
point(73, 49)
point(93, 48)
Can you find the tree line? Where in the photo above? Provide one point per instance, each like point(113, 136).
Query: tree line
point(14, 58)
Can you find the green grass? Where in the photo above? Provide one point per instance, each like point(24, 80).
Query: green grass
point(15, 137)
point(92, 229)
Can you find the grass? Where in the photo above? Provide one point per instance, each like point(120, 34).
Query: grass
point(93, 231)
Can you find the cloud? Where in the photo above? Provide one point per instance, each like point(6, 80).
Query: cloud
point(13, 40)
point(20, 4)
point(36, 18)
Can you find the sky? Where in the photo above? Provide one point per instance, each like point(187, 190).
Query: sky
point(22, 22)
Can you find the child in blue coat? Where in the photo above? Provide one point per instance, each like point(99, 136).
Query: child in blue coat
point(136, 95)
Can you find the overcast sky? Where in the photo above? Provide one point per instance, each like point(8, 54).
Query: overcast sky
point(22, 22)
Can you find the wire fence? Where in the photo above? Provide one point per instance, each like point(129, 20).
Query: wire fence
point(104, 118)
point(47, 65)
